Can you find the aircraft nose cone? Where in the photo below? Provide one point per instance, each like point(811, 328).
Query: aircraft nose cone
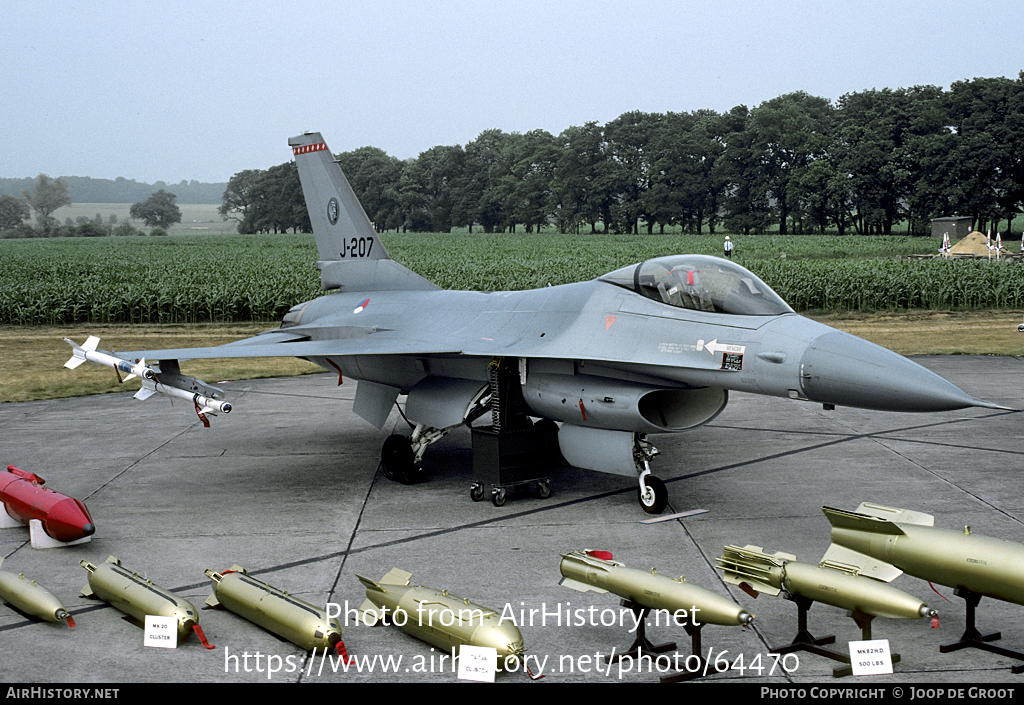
point(842, 369)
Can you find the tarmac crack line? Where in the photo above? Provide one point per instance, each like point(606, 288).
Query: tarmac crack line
point(884, 439)
point(140, 459)
point(951, 483)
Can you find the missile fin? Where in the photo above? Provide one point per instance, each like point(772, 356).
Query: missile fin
point(578, 586)
point(74, 362)
point(372, 613)
point(77, 355)
point(144, 393)
point(874, 521)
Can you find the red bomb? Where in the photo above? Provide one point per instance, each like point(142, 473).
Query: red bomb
point(63, 518)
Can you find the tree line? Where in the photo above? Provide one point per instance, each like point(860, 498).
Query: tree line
point(47, 195)
point(873, 161)
point(85, 189)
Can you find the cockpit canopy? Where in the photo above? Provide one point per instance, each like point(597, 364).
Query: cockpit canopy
point(700, 283)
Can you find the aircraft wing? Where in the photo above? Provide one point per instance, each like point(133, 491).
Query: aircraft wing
point(285, 345)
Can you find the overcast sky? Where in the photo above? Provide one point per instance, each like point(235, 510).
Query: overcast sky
point(181, 90)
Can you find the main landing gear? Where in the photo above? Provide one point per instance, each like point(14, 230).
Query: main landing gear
point(398, 461)
point(401, 458)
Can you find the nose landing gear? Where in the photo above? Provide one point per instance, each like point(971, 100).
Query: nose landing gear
point(652, 493)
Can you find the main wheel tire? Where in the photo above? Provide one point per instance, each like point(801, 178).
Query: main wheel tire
point(396, 459)
point(656, 498)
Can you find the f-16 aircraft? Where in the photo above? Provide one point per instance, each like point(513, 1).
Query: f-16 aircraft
point(651, 348)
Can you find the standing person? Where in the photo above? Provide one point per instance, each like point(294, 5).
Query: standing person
point(728, 247)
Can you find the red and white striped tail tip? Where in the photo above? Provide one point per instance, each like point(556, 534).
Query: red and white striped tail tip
point(306, 148)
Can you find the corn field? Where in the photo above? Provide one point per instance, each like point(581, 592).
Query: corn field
point(229, 278)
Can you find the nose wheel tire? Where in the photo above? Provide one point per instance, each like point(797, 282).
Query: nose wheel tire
point(655, 499)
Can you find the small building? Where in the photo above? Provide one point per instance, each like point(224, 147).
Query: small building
point(956, 226)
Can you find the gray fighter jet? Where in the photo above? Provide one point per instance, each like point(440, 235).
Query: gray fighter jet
point(650, 348)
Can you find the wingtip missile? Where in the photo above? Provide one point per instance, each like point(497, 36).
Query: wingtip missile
point(204, 404)
point(90, 352)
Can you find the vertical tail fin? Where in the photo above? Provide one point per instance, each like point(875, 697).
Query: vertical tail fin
point(341, 227)
point(351, 255)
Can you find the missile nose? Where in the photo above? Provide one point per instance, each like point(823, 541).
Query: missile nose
point(88, 529)
point(839, 368)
